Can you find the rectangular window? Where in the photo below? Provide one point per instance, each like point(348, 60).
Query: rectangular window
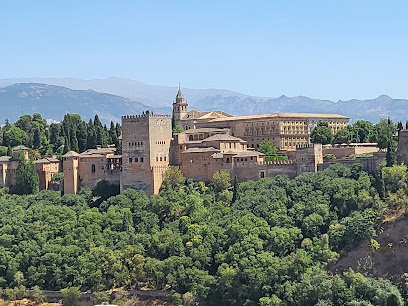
point(157, 159)
point(130, 160)
point(136, 159)
point(141, 159)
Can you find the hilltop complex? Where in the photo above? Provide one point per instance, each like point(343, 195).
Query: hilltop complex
point(211, 141)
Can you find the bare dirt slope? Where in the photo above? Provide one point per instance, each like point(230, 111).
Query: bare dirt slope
point(389, 261)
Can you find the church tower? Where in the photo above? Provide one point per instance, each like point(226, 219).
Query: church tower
point(180, 106)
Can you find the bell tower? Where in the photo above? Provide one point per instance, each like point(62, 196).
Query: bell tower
point(180, 106)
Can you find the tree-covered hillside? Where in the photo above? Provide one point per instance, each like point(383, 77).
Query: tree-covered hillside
point(266, 242)
point(72, 133)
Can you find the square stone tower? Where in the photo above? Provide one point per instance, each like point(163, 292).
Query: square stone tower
point(70, 168)
point(402, 153)
point(145, 151)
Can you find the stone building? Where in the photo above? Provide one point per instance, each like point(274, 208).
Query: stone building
point(211, 141)
point(146, 141)
point(90, 167)
point(286, 130)
point(402, 154)
point(45, 168)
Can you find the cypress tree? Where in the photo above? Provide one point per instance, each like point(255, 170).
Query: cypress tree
point(9, 151)
point(36, 138)
point(173, 122)
point(105, 137)
point(399, 126)
point(66, 146)
point(235, 191)
point(118, 129)
point(91, 141)
point(391, 156)
point(82, 136)
point(26, 177)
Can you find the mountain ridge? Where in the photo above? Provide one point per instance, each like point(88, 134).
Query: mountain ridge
point(111, 106)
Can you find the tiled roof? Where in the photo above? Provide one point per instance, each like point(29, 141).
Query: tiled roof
point(46, 160)
point(198, 150)
point(205, 130)
point(20, 147)
point(70, 154)
point(281, 115)
point(223, 137)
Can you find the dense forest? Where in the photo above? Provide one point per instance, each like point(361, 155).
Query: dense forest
point(254, 243)
point(72, 133)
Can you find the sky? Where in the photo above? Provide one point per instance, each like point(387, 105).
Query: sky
point(320, 49)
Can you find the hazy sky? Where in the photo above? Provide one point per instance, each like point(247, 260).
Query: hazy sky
point(322, 49)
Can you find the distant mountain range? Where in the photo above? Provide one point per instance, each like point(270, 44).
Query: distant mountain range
point(52, 102)
point(113, 97)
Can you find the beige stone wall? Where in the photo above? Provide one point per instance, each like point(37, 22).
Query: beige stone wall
point(145, 146)
point(308, 157)
point(348, 151)
point(45, 172)
point(255, 170)
point(3, 174)
point(402, 154)
point(369, 163)
point(93, 169)
point(71, 175)
point(199, 166)
point(8, 173)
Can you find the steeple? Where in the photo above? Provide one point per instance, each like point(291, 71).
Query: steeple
point(180, 106)
point(180, 97)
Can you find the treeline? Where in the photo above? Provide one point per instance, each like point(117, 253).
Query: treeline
point(383, 133)
point(254, 243)
point(72, 133)
point(358, 132)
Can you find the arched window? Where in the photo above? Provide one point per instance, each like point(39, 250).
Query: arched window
point(93, 168)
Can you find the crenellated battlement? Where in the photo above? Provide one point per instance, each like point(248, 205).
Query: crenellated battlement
point(159, 168)
point(144, 116)
point(266, 164)
point(304, 146)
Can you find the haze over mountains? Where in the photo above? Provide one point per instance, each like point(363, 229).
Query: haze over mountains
point(113, 97)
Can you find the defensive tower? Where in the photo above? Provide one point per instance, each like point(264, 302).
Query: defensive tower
point(145, 151)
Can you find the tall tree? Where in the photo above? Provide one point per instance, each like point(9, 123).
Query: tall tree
point(91, 141)
point(82, 136)
point(14, 136)
point(26, 177)
point(391, 156)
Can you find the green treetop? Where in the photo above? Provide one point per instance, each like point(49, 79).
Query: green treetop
point(268, 148)
point(321, 133)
